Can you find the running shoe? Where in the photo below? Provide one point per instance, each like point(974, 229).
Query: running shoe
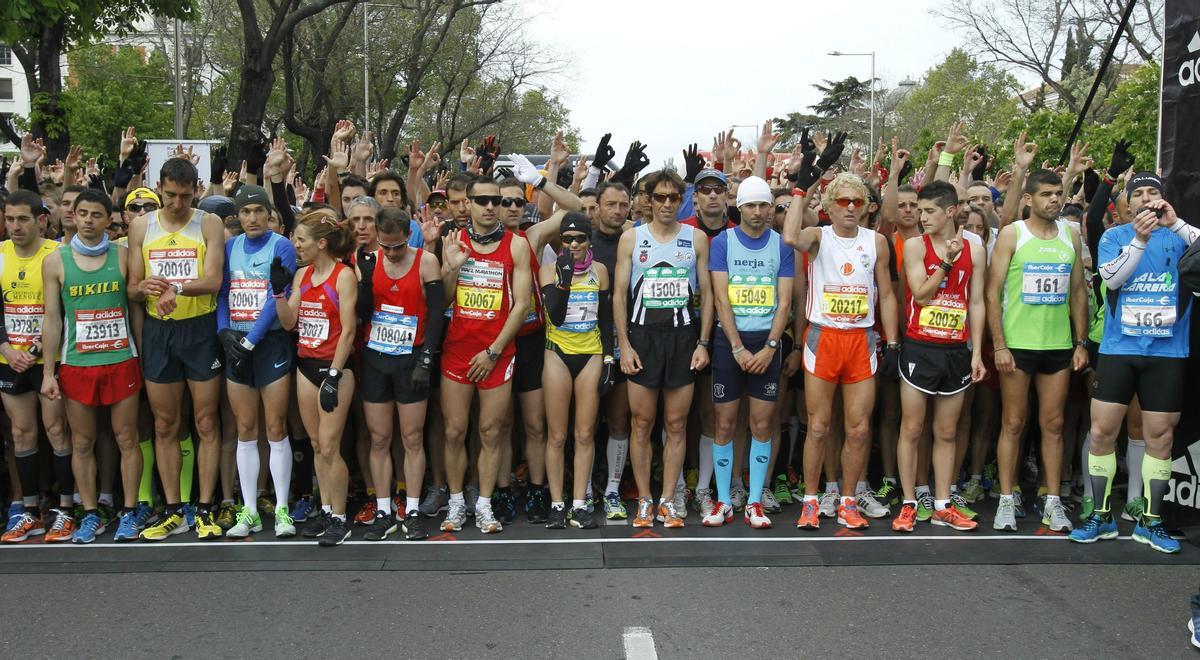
point(906, 519)
point(557, 518)
point(1086, 506)
point(809, 515)
point(456, 515)
point(924, 507)
point(145, 514)
point(398, 502)
point(718, 515)
point(645, 513)
point(828, 504)
point(285, 526)
point(755, 517)
point(1018, 503)
point(1194, 624)
point(1055, 516)
point(537, 504)
point(991, 480)
point(337, 533)
point(129, 528)
point(62, 528)
point(668, 516)
point(704, 501)
point(437, 500)
point(248, 522)
point(614, 508)
point(783, 492)
point(797, 490)
point(302, 508)
point(189, 514)
point(169, 524)
point(15, 510)
point(227, 515)
point(206, 526)
point(1006, 516)
point(1095, 527)
point(769, 504)
point(381, 527)
point(264, 504)
point(414, 527)
point(737, 496)
point(849, 516)
point(366, 513)
point(680, 500)
point(1134, 509)
point(317, 524)
point(581, 518)
point(872, 507)
point(89, 528)
point(954, 519)
point(972, 492)
point(27, 525)
point(505, 506)
point(486, 521)
point(1153, 534)
point(108, 514)
point(470, 496)
point(960, 503)
point(888, 494)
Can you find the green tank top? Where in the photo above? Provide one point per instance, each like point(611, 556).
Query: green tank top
point(1037, 291)
point(95, 313)
point(1096, 326)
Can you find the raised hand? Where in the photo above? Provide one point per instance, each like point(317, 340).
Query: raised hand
point(74, 158)
point(128, 142)
point(363, 148)
point(1023, 152)
point(858, 165)
point(1122, 161)
point(525, 171)
point(432, 158)
point(956, 142)
point(343, 131)
point(768, 138)
point(692, 162)
point(559, 153)
point(455, 251)
point(604, 152)
point(729, 148)
point(229, 181)
point(833, 152)
point(465, 151)
point(32, 151)
point(339, 155)
point(954, 246)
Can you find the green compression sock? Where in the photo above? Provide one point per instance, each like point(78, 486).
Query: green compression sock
point(146, 485)
point(1101, 471)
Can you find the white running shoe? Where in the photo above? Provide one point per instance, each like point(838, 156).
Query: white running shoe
point(704, 501)
point(719, 514)
point(1006, 516)
point(871, 507)
point(828, 504)
point(755, 517)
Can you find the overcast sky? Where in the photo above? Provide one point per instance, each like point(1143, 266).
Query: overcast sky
point(674, 72)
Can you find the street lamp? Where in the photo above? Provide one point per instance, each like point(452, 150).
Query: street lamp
point(836, 53)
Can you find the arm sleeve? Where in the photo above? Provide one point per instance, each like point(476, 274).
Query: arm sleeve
point(268, 315)
point(892, 261)
point(554, 300)
point(223, 294)
point(606, 322)
point(1117, 262)
point(280, 199)
point(687, 209)
point(28, 180)
point(593, 178)
point(365, 306)
point(435, 315)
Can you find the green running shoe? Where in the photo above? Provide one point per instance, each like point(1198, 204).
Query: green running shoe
point(888, 495)
point(1134, 509)
point(960, 503)
point(783, 493)
point(991, 479)
point(1086, 507)
point(924, 507)
point(973, 491)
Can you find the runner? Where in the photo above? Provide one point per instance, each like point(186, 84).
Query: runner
point(752, 275)
point(85, 282)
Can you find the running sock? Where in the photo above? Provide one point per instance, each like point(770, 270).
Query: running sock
point(63, 474)
point(760, 459)
point(811, 498)
point(722, 457)
point(891, 480)
point(457, 498)
point(105, 498)
point(485, 502)
point(861, 487)
point(616, 451)
point(280, 462)
point(559, 505)
point(27, 473)
point(922, 491)
point(302, 454)
point(704, 477)
point(1085, 451)
point(578, 504)
point(1156, 473)
point(1101, 472)
point(940, 505)
point(384, 504)
point(1134, 454)
point(146, 485)
point(247, 466)
point(411, 504)
point(187, 454)
point(833, 487)
point(912, 503)
point(327, 508)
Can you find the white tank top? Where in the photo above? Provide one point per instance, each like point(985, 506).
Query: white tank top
point(841, 281)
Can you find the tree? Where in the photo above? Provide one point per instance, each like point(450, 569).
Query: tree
point(841, 97)
point(40, 31)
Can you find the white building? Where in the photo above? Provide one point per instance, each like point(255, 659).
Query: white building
point(14, 93)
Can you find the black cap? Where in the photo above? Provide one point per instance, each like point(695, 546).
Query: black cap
point(1143, 180)
point(576, 221)
point(251, 194)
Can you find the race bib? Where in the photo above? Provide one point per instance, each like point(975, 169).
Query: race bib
point(23, 323)
point(664, 287)
point(392, 333)
point(312, 325)
point(1148, 315)
point(176, 265)
point(844, 303)
point(943, 318)
point(582, 310)
point(246, 299)
point(752, 295)
point(480, 289)
point(1045, 284)
point(99, 330)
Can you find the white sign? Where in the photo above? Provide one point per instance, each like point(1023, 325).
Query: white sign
point(157, 152)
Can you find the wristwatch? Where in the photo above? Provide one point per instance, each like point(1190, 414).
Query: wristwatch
point(178, 288)
point(333, 373)
point(703, 342)
point(773, 344)
point(492, 355)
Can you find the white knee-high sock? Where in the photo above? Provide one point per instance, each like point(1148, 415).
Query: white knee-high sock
point(281, 469)
point(616, 451)
point(1133, 460)
point(1084, 450)
point(247, 465)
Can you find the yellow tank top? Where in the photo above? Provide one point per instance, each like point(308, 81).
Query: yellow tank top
point(24, 304)
point(177, 256)
point(580, 331)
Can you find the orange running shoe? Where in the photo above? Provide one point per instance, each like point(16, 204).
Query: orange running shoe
point(366, 515)
point(62, 528)
point(26, 527)
point(953, 518)
point(849, 515)
point(904, 521)
point(645, 513)
point(809, 518)
point(668, 517)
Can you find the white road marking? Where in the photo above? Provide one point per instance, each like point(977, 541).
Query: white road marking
point(639, 644)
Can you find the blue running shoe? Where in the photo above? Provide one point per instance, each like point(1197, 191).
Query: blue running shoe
point(1018, 505)
point(145, 514)
point(129, 528)
point(189, 514)
point(88, 529)
point(1095, 528)
point(1155, 536)
point(15, 510)
point(1194, 625)
point(302, 509)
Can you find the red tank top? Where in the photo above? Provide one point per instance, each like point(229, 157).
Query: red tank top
point(398, 320)
point(533, 318)
point(943, 320)
point(483, 296)
point(319, 320)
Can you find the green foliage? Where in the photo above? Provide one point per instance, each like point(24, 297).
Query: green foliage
point(841, 97)
point(82, 21)
point(957, 89)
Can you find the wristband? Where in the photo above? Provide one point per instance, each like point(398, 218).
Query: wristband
point(796, 192)
point(278, 296)
point(1109, 180)
point(703, 343)
point(246, 344)
point(946, 266)
point(946, 159)
point(738, 349)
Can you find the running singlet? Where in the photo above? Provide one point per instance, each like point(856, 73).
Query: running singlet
point(95, 313)
point(24, 304)
point(841, 281)
point(483, 296)
point(397, 324)
point(178, 257)
point(663, 279)
point(250, 280)
point(753, 277)
point(1036, 289)
point(319, 321)
point(580, 332)
point(943, 320)
point(1146, 315)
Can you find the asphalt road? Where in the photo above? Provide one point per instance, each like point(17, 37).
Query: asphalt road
point(1029, 611)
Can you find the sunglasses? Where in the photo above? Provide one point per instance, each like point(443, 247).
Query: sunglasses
point(138, 208)
point(781, 208)
point(666, 198)
point(518, 202)
point(711, 190)
point(575, 239)
point(394, 246)
point(487, 200)
point(845, 202)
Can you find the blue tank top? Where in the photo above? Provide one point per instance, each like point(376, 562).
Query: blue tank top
point(1146, 315)
point(662, 280)
point(250, 281)
point(753, 281)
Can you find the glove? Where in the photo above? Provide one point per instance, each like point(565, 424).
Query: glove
point(1122, 160)
point(1091, 183)
point(137, 158)
point(905, 171)
point(604, 153)
point(236, 352)
point(635, 161)
point(692, 162)
point(123, 175)
point(889, 364)
point(807, 175)
point(525, 171)
point(977, 173)
point(281, 277)
point(256, 158)
point(606, 376)
point(217, 172)
point(565, 177)
point(420, 374)
point(329, 392)
point(564, 267)
point(833, 152)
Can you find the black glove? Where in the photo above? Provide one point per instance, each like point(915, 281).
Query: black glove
point(217, 172)
point(889, 364)
point(329, 392)
point(281, 277)
point(565, 177)
point(137, 158)
point(692, 162)
point(977, 173)
point(905, 171)
point(1091, 183)
point(238, 356)
point(604, 153)
point(255, 159)
point(96, 182)
point(807, 175)
point(806, 143)
point(565, 268)
point(420, 374)
point(1122, 160)
point(122, 175)
point(606, 378)
point(833, 152)
point(636, 160)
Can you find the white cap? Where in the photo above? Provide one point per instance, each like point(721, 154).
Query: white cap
point(752, 190)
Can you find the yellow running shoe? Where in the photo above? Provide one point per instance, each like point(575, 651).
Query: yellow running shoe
point(168, 525)
point(206, 525)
